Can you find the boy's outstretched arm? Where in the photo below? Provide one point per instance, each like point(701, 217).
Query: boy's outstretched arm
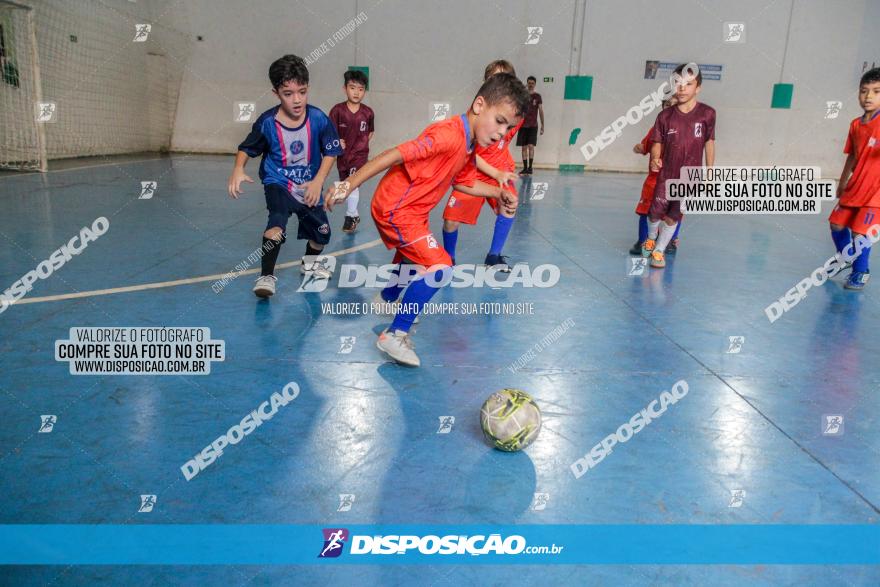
point(238, 175)
point(844, 175)
point(479, 189)
point(656, 156)
point(372, 167)
point(314, 187)
point(482, 190)
point(502, 177)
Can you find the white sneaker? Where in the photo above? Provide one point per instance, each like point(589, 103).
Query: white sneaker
point(317, 268)
point(399, 346)
point(265, 286)
point(383, 308)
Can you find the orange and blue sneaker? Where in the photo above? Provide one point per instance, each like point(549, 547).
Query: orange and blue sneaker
point(658, 260)
point(648, 247)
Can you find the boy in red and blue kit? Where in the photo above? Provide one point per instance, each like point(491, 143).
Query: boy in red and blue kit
point(644, 205)
point(464, 209)
point(418, 174)
point(859, 186)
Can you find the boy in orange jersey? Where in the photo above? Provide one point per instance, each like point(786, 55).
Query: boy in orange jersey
point(419, 173)
point(859, 187)
point(462, 208)
point(644, 205)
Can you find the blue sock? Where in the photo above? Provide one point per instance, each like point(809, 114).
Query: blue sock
point(861, 262)
point(677, 228)
point(392, 291)
point(450, 239)
point(499, 237)
point(643, 227)
point(842, 239)
point(417, 295)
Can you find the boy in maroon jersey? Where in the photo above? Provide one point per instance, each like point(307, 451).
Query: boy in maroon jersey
point(527, 137)
point(354, 123)
point(681, 135)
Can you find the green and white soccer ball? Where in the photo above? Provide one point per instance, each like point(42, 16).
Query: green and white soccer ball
point(510, 419)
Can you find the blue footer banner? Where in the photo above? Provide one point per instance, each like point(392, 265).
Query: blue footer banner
point(160, 544)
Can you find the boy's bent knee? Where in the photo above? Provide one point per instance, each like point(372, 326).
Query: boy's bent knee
point(275, 233)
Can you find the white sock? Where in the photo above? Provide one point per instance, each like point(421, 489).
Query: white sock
point(666, 232)
point(653, 229)
point(352, 202)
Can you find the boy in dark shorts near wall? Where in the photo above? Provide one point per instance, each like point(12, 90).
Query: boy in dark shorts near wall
point(527, 137)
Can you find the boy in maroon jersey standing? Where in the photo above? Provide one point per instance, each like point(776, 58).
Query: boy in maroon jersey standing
point(354, 123)
point(680, 137)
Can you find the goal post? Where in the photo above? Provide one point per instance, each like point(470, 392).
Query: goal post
point(23, 144)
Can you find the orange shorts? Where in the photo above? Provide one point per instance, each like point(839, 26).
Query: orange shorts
point(413, 239)
point(644, 205)
point(858, 219)
point(466, 208)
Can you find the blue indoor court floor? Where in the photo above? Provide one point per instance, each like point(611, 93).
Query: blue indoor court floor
point(751, 425)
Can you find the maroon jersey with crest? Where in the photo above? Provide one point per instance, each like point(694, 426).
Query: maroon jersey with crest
point(683, 136)
point(354, 128)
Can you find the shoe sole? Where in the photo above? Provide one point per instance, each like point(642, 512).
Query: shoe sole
point(399, 362)
point(263, 293)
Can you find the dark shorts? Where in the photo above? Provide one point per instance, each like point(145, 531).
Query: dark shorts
point(347, 167)
point(527, 136)
point(313, 223)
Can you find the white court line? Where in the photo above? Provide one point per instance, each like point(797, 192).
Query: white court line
point(176, 282)
point(116, 163)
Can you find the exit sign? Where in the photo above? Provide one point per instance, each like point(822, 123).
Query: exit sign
point(548, 80)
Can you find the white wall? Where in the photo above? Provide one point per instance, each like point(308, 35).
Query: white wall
point(419, 52)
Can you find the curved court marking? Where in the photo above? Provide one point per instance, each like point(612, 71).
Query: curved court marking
point(176, 282)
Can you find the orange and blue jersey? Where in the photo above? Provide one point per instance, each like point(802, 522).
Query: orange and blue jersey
point(863, 141)
point(431, 161)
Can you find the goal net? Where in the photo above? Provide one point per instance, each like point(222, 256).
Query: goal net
point(86, 79)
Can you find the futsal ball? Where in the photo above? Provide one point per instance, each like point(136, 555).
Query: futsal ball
point(510, 419)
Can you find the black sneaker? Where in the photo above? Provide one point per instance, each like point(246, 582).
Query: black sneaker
point(498, 262)
point(351, 224)
point(672, 247)
point(636, 249)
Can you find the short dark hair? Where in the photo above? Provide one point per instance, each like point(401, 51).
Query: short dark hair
point(872, 76)
point(357, 76)
point(505, 87)
point(532, 78)
point(289, 68)
point(680, 71)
